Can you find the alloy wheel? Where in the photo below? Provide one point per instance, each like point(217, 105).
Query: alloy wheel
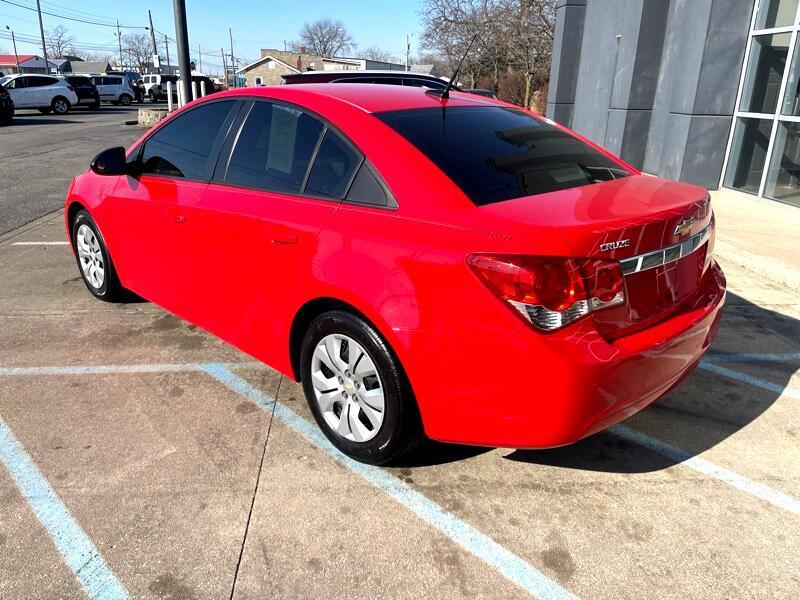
point(91, 256)
point(347, 388)
point(125, 100)
point(60, 107)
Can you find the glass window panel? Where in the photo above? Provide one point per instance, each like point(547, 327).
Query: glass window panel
point(764, 72)
point(791, 99)
point(776, 13)
point(748, 153)
point(783, 178)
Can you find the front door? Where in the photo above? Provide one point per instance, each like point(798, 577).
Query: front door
point(145, 218)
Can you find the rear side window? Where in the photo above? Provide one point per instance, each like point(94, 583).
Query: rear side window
point(274, 148)
point(333, 167)
point(367, 189)
point(182, 147)
point(41, 81)
point(495, 153)
point(112, 80)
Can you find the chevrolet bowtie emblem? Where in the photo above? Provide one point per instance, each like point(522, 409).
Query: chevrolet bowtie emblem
point(684, 226)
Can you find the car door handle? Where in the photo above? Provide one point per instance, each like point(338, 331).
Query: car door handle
point(283, 238)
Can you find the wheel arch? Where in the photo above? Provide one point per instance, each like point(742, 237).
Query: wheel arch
point(315, 307)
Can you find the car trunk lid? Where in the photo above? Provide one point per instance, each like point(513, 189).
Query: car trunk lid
point(660, 231)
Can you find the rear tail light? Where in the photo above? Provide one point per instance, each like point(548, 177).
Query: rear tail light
point(4, 93)
point(70, 88)
point(551, 292)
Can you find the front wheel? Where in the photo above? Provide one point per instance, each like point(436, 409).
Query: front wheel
point(357, 390)
point(94, 262)
point(60, 106)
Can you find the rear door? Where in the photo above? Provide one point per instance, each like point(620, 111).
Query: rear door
point(254, 231)
point(144, 217)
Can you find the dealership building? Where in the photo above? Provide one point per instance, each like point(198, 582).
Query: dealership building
point(704, 91)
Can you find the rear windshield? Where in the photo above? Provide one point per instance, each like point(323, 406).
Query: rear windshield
point(495, 153)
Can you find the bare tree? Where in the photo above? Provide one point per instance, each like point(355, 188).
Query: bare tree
point(514, 47)
point(324, 37)
point(137, 50)
point(58, 41)
point(377, 53)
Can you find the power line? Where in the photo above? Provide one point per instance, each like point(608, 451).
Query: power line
point(44, 12)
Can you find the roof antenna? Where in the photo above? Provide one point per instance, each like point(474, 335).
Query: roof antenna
point(446, 93)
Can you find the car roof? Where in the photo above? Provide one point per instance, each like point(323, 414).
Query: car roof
point(368, 97)
point(362, 72)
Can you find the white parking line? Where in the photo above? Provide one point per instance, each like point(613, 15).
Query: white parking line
point(40, 244)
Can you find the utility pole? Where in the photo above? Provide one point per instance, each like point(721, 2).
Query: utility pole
point(224, 66)
point(182, 37)
point(200, 57)
point(166, 46)
point(284, 45)
point(41, 31)
point(153, 37)
point(233, 61)
point(119, 41)
point(408, 50)
point(14, 41)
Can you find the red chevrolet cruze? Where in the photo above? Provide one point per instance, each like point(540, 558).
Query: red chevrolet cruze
point(457, 266)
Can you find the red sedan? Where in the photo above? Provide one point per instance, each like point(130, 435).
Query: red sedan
point(454, 266)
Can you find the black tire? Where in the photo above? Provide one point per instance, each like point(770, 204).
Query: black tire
point(401, 429)
point(152, 95)
point(125, 99)
point(44, 111)
point(111, 290)
point(94, 106)
point(6, 120)
point(60, 105)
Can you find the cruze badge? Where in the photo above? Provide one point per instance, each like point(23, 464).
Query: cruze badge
point(615, 245)
point(684, 226)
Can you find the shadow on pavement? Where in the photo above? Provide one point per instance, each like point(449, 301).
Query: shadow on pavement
point(20, 120)
point(700, 413)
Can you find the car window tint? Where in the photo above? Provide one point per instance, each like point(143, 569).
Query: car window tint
point(38, 81)
point(182, 147)
point(366, 189)
point(333, 167)
point(17, 84)
point(495, 153)
point(274, 148)
point(424, 83)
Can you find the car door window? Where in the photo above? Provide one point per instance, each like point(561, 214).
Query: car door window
point(182, 147)
point(333, 167)
point(17, 84)
point(274, 148)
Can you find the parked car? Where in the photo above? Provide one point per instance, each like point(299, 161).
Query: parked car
point(43, 92)
point(481, 92)
point(85, 90)
point(155, 86)
point(379, 245)
point(363, 76)
point(6, 107)
point(114, 88)
point(134, 82)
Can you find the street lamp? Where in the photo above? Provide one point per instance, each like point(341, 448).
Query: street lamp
point(14, 41)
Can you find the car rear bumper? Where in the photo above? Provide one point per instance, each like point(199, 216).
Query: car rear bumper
point(535, 390)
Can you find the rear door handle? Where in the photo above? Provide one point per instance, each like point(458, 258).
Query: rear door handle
point(180, 219)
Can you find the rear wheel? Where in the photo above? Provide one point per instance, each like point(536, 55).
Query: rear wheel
point(94, 262)
point(94, 106)
point(357, 390)
point(60, 105)
point(125, 100)
point(152, 95)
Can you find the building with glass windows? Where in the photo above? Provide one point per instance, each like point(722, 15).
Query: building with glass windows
point(704, 91)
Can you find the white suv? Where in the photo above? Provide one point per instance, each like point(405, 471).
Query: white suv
point(155, 86)
point(40, 91)
point(114, 88)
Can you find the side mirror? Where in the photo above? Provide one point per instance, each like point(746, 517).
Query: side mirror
point(111, 162)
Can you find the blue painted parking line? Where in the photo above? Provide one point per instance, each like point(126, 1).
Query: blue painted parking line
point(470, 539)
point(749, 357)
point(749, 379)
point(79, 553)
point(759, 490)
point(110, 369)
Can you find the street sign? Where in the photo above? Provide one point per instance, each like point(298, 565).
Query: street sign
point(156, 61)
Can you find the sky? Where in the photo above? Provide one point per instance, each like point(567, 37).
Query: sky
point(255, 24)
